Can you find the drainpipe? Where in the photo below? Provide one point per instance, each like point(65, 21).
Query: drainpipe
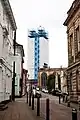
point(13, 80)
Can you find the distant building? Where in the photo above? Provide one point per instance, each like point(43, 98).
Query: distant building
point(19, 69)
point(38, 52)
point(7, 28)
point(73, 35)
point(24, 83)
point(59, 76)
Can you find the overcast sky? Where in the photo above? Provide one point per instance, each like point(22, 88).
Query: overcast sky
point(49, 14)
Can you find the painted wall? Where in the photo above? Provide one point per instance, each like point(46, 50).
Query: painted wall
point(6, 50)
point(44, 51)
point(31, 58)
point(18, 70)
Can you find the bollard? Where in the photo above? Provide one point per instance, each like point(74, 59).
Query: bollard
point(30, 99)
point(66, 99)
point(32, 102)
point(79, 105)
point(27, 97)
point(74, 114)
point(47, 109)
point(38, 106)
point(68, 104)
point(59, 99)
point(63, 98)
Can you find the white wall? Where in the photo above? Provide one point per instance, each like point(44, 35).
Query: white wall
point(44, 51)
point(6, 47)
point(30, 58)
point(18, 73)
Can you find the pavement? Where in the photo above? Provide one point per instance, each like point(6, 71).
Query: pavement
point(72, 105)
point(19, 110)
point(57, 111)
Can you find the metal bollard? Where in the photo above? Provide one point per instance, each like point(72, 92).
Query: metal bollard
point(63, 98)
point(59, 99)
point(79, 105)
point(74, 114)
point(30, 99)
point(47, 109)
point(68, 104)
point(27, 97)
point(32, 102)
point(38, 106)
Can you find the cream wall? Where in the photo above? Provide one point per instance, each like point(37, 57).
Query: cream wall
point(6, 53)
point(44, 51)
point(30, 58)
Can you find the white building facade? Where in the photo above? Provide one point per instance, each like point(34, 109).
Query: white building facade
point(18, 68)
point(38, 52)
point(44, 51)
point(7, 28)
point(31, 58)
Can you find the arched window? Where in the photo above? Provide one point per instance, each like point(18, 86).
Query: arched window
point(70, 82)
point(77, 82)
point(43, 79)
point(59, 82)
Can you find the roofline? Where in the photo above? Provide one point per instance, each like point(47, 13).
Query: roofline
point(8, 9)
point(73, 9)
point(52, 69)
point(17, 44)
point(25, 70)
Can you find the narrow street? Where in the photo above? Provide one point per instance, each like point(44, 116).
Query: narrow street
point(20, 110)
point(40, 54)
point(57, 111)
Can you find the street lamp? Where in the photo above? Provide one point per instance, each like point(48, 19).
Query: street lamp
point(13, 80)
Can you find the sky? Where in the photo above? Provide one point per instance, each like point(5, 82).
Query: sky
point(50, 14)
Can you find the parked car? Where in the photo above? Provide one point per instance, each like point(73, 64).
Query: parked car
point(46, 91)
point(43, 90)
point(57, 92)
point(36, 93)
point(65, 93)
point(37, 88)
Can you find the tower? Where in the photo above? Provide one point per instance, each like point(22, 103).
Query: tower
point(37, 55)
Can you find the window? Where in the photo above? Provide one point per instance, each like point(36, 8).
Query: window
point(77, 82)
point(35, 69)
point(35, 75)
point(35, 53)
point(35, 59)
point(78, 38)
point(35, 44)
point(71, 83)
point(38, 51)
point(38, 61)
point(71, 45)
point(35, 49)
point(35, 64)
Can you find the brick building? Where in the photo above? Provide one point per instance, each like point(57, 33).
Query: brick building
point(24, 82)
point(73, 35)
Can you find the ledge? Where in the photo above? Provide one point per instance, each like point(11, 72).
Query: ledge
point(7, 7)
